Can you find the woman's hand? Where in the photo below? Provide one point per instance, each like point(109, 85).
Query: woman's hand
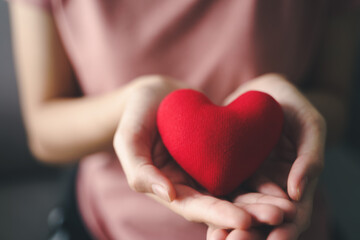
point(149, 168)
point(266, 210)
point(296, 162)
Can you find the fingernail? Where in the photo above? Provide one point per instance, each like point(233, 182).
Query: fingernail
point(301, 188)
point(161, 192)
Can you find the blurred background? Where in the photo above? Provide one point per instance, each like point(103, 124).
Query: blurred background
point(30, 190)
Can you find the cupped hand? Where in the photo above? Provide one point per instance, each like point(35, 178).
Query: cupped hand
point(293, 168)
point(267, 212)
point(150, 169)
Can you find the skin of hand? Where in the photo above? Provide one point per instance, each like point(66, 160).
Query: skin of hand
point(150, 169)
point(293, 167)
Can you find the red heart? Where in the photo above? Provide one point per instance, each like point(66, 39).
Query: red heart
point(219, 146)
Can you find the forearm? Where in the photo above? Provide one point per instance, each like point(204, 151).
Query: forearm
point(65, 129)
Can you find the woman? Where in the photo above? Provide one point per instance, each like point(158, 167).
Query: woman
point(92, 74)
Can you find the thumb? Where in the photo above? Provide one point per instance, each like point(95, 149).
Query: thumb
point(142, 175)
point(146, 178)
point(310, 160)
point(305, 170)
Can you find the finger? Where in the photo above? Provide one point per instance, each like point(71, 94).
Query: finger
point(287, 231)
point(197, 207)
point(263, 184)
point(306, 169)
point(238, 234)
point(169, 168)
point(264, 214)
point(214, 233)
point(133, 143)
point(294, 229)
point(288, 208)
point(310, 161)
point(141, 174)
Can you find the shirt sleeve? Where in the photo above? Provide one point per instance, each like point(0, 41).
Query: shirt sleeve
point(44, 4)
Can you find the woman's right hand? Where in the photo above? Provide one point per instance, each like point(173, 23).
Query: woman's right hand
point(150, 169)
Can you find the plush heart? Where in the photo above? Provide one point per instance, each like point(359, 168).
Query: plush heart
point(219, 146)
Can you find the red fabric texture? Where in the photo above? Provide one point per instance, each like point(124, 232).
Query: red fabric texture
point(219, 146)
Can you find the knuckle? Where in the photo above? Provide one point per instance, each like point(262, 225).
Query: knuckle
point(318, 120)
point(135, 184)
point(194, 217)
point(137, 180)
point(189, 217)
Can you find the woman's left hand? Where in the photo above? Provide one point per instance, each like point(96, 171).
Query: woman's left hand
point(293, 168)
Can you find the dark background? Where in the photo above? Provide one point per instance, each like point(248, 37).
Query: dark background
point(29, 190)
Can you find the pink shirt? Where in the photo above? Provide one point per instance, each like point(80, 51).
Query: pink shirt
point(212, 45)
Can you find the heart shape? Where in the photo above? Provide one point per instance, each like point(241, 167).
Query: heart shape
point(219, 146)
